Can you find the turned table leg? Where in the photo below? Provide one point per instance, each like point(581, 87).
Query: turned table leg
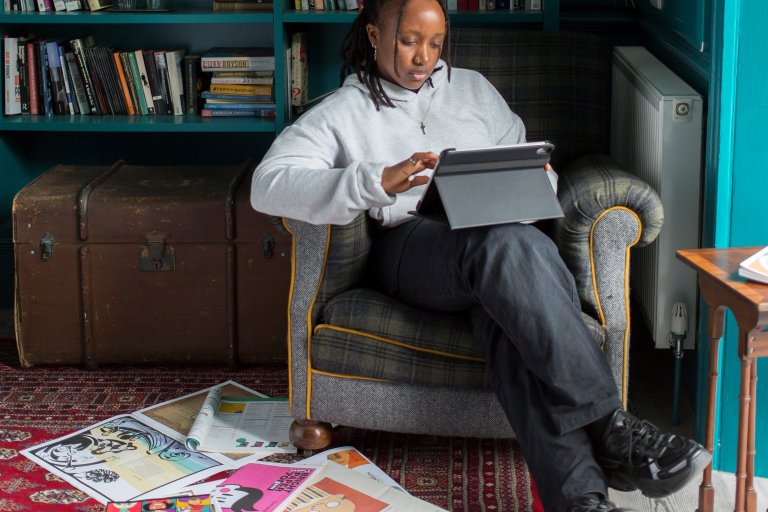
point(706, 491)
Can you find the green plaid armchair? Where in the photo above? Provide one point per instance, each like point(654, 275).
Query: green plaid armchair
point(362, 359)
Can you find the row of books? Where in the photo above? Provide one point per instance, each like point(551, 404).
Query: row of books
point(76, 77)
point(242, 82)
point(451, 5)
point(242, 5)
point(56, 76)
point(55, 5)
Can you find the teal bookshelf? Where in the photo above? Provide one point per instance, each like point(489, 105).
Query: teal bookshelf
point(31, 144)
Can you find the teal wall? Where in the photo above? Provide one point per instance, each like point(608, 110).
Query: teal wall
point(740, 220)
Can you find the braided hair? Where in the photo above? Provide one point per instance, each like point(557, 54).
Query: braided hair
point(357, 52)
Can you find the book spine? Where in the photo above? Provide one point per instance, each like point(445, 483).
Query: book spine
point(260, 90)
point(77, 83)
point(96, 78)
point(236, 63)
point(67, 87)
point(137, 80)
point(163, 81)
point(191, 80)
point(206, 112)
point(131, 82)
point(78, 48)
point(58, 93)
point(33, 73)
point(45, 90)
point(175, 80)
point(123, 83)
point(144, 80)
point(11, 92)
point(242, 80)
point(299, 71)
point(23, 76)
point(241, 106)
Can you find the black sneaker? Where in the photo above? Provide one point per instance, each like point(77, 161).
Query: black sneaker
point(593, 503)
point(636, 455)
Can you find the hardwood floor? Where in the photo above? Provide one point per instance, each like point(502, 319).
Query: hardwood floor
point(687, 498)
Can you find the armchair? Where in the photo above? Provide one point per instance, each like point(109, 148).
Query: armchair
point(362, 359)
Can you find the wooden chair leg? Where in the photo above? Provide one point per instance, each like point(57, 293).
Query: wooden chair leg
point(310, 435)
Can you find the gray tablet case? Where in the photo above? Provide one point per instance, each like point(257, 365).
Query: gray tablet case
point(487, 186)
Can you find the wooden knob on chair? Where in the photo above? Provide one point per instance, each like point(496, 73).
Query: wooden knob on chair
point(310, 434)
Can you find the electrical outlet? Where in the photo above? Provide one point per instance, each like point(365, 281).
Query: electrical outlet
point(659, 4)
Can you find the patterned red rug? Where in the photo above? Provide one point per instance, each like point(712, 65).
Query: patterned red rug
point(42, 403)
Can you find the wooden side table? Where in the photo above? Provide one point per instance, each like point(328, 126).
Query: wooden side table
point(721, 287)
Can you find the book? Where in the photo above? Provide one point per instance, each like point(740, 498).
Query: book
point(243, 80)
point(137, 82)
point(11, 78)
point(174, 60)
point(241, 425)
point(299, 68)
point(235, 98)
point(244, 89)
point(123, 82)
point(261, 487)
point(78, 46)
point(238, 59)
point(755, 267)
point(207, 112)
point(77, 83)
point(194, 83)
point(58, 92)
point(143, 75)
point(240, 106)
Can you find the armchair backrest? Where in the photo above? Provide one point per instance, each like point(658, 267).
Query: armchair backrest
point(346, 257)
point(557, 82)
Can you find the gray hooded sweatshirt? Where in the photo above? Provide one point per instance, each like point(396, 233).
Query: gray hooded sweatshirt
point(326, 167)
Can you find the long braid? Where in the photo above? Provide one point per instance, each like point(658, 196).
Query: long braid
point(357, 52)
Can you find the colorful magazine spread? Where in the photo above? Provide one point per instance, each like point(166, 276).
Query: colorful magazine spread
point(335, 487)
point(260, 487)
point(194, 503)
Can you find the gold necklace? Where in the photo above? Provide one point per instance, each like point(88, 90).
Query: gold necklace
point(423, 123)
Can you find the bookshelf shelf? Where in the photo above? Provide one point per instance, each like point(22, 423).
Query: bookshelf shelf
point(179, 16)
point(186, 123)
point(464, 17)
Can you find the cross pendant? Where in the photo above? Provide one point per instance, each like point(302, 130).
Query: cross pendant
point(423, 128)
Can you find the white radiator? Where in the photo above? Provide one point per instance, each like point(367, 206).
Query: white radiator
point(656, 134)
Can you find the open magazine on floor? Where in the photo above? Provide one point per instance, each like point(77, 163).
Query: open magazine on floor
point(131, 456)
point(241, 424)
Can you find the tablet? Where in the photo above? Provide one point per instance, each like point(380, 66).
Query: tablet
point(493, 185)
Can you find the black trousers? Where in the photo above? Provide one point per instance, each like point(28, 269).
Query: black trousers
point(548, 372)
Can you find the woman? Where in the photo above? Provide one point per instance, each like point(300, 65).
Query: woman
point(371, 147)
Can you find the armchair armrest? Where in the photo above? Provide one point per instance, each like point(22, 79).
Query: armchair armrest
point(607, 211)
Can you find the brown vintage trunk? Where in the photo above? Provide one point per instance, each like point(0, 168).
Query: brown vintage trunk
point(138, 264)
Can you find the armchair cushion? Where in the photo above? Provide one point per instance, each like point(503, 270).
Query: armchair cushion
point(368, 334)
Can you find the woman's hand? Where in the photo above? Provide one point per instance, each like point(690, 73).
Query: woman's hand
point(401, 177)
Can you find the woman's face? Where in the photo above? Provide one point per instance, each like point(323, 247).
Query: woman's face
point(418, 43)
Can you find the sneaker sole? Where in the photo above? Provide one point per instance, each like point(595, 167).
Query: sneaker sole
point(662, 488)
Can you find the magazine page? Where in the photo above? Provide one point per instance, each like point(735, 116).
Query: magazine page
point(340, 489)
point(202, 424)
point(351, 458)
point(192, 503)
point(176, 417)
point(756, 266)
point(260, 487)
point(249, 425)
point(122, 459)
